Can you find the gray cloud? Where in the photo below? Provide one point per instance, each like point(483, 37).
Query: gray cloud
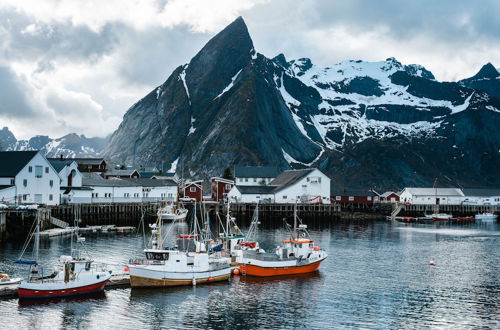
point(109, 68)
point(13, 96)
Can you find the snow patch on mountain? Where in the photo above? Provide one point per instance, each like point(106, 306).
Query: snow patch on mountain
point(192, 129)
point(182, 76)
point(231, 84)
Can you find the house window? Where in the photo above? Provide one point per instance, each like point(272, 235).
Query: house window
point(25, 182)
point(369, 198)
point(12, 181)
point(246, 179)
point(337, 198)
point(284, 197)
point(25, 197)
point(192, 189)
point(50, 197)
point(46, 170)
point(30, 169)
point(304, 186)
point(126, 195)
point(255, 180)
point(351, 198)
point(228, 186)
point(257, 197)
point(307, 179)
point(38, 171)
point(51, 183)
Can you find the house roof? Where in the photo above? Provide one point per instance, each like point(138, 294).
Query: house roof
point(388, 193)
point(255, 172)
point(166, 175)
point(481, 192)
point(5, 187)
point(12, 162)
point(147, 175)
point(223, 180)
point(352, 192)
point(59, 164)
point(127, 172)
point(89, 161)
point(435, 191)
point(289, 178)
point(256, 189)
point(147, 182)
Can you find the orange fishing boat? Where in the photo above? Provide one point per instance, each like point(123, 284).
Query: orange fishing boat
point(298, 255)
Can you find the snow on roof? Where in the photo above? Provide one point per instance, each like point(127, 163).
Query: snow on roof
point(435, 191)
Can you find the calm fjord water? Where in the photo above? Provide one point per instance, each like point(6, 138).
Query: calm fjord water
point(377, 276)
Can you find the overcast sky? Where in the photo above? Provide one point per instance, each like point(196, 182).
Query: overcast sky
point(77, 66)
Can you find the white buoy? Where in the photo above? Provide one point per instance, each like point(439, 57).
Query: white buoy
point(432, 263)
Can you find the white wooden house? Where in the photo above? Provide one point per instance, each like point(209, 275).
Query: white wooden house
point(254, 175)
point(27, 177)
point(303, 186)
point(481, 196)
point(451, 196)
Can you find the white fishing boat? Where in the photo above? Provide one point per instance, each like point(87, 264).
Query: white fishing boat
point(74, 275)
point(235, 242)
point(6, 279)
point(486, 216)
point(298, 255)
point(172, 212)
point(192, 264)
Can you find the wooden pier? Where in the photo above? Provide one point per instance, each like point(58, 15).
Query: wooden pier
point(455, 210)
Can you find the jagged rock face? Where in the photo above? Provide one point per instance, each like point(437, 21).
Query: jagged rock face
point(364, 123)
point(486, 80)
point(71, 145)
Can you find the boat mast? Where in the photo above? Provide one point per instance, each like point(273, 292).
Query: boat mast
point(295, 220)
point(36, 247)
point(228, 217)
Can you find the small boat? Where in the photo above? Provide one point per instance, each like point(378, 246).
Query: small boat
point(6, 279)
point(486, 216)
point(194, 264)
point(74, 275)
point(440, 216)
point(298, 255)
point(171, 212)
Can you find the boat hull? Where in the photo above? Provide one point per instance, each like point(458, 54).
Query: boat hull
point(255, 270)
point(38, 293)
point(149, 282)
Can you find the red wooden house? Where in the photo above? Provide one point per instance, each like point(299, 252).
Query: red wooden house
point(220, 187)
point(354, 196)
point(194, 190)
point(389, 197)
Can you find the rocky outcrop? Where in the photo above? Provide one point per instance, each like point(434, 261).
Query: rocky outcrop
point(364, 123)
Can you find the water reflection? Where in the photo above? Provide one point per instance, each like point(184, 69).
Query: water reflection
point(377, 276)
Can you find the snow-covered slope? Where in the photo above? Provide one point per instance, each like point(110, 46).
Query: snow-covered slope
point(71, 145)
point(364, 123)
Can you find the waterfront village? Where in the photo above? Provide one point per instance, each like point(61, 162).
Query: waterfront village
point(29, 178)
point(37, 192)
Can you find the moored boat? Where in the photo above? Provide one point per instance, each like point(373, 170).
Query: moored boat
point(486, 216)
point(440, 216)
point(298, 255)
point(172, 212)
point(74, 275)
point(5, 279)
point(193, 264)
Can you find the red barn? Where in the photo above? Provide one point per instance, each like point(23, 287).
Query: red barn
point(389, 197)
point(220, 188)
point(353, 196)
point(194, 190)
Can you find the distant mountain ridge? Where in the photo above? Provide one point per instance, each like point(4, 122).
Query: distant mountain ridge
point(70, 145)
point(366, 124)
